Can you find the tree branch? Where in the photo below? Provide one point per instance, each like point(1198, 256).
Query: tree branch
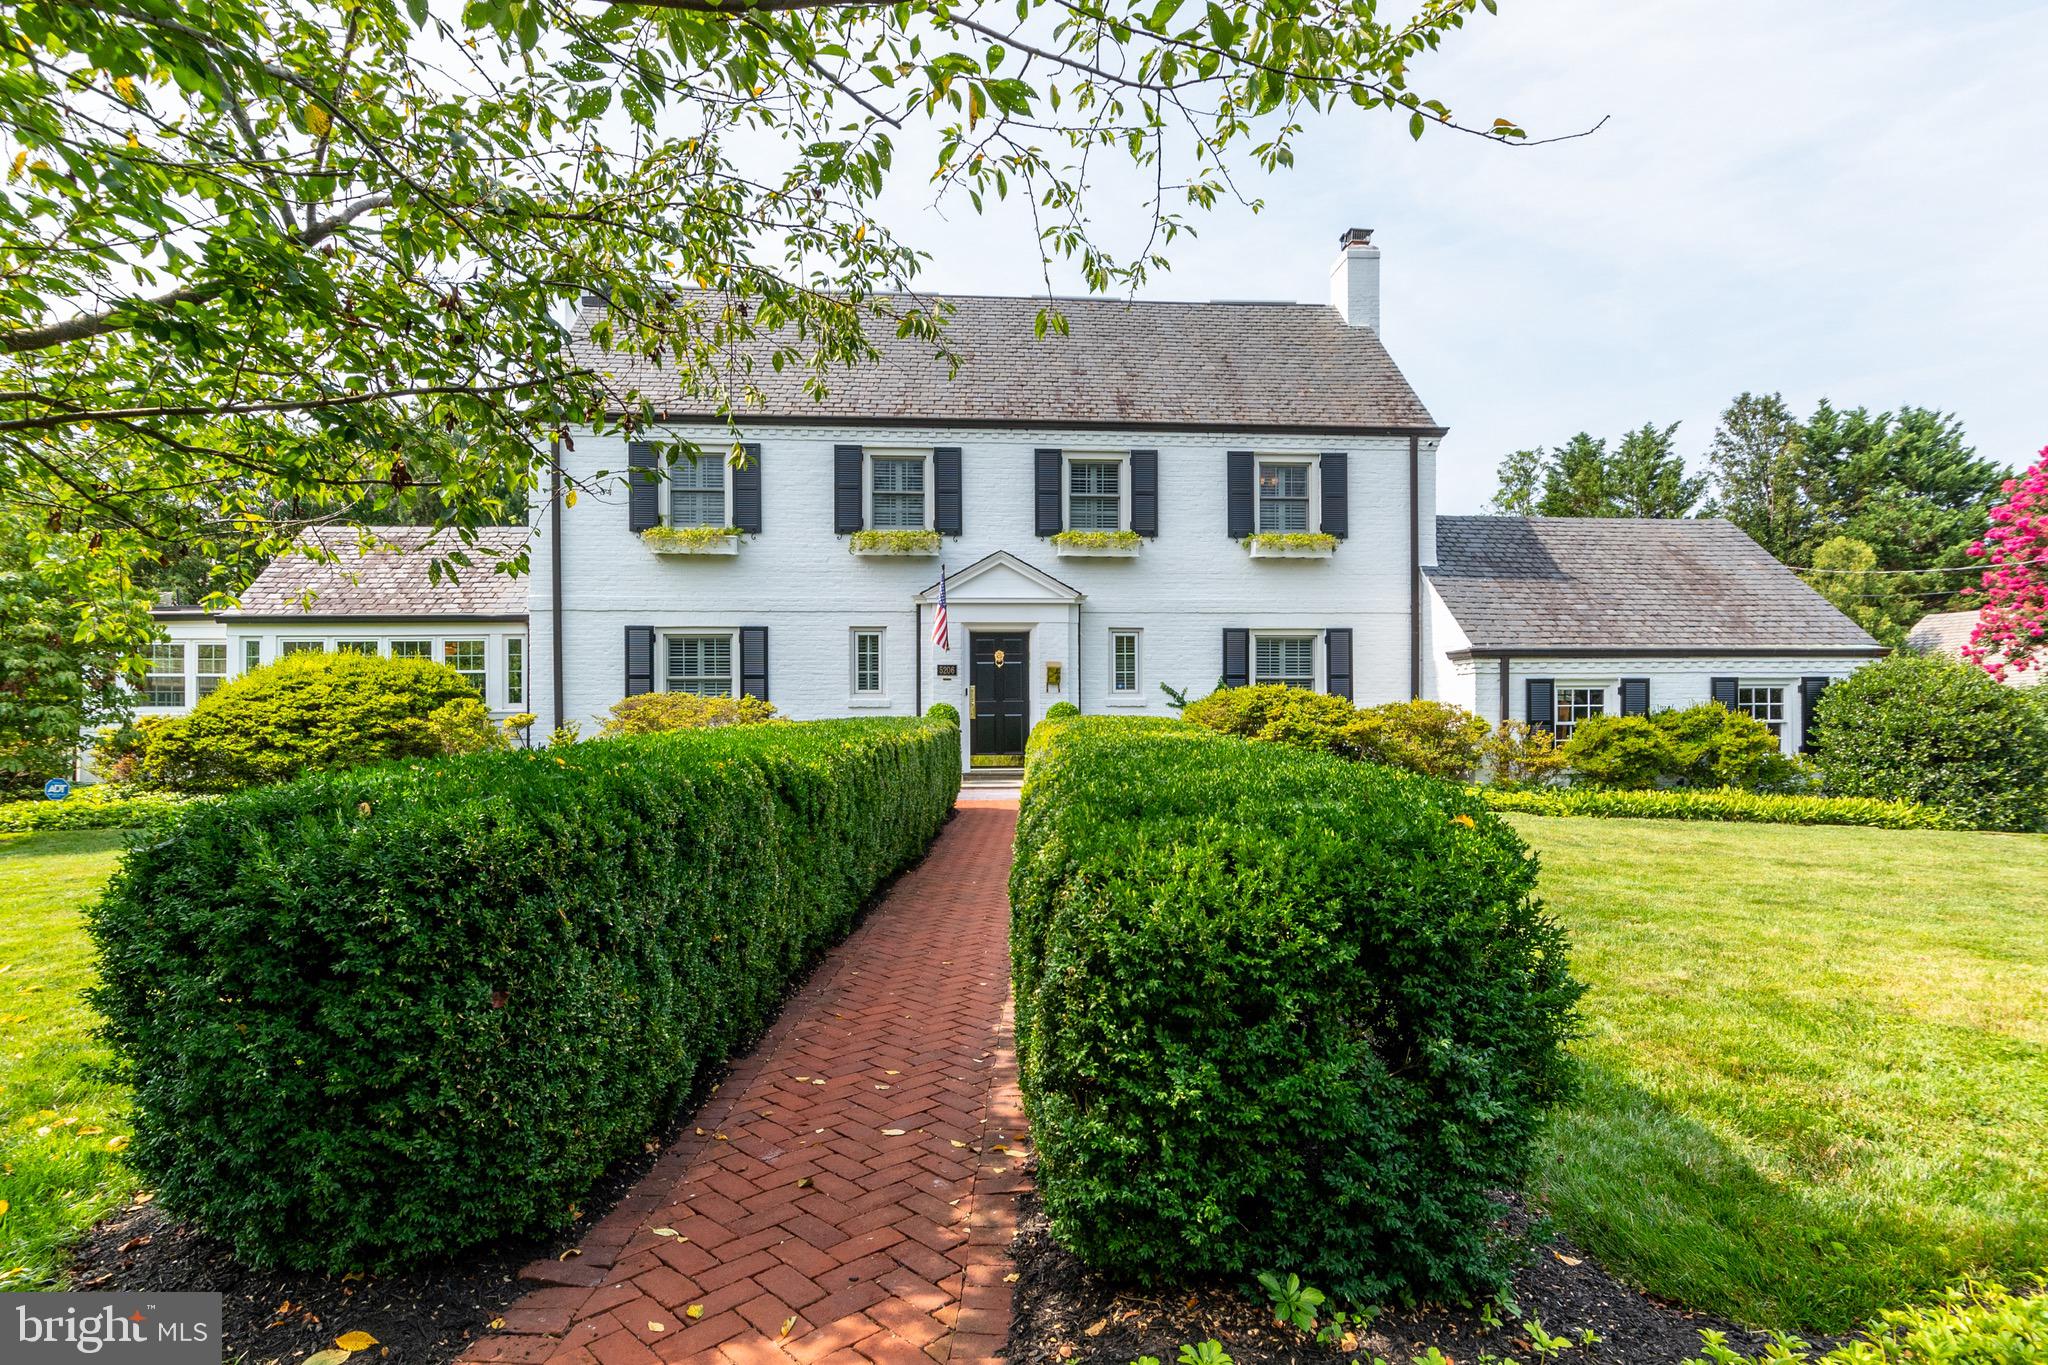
point(87, 325)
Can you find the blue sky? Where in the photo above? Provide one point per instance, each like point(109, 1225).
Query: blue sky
point(1847, 200)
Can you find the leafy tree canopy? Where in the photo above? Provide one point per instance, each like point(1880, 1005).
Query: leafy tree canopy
point(1643, 476)
point(264, 263)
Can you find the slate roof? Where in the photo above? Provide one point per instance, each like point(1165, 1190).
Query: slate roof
point(391, 582)
point(1622, 585)
point(1288, 366)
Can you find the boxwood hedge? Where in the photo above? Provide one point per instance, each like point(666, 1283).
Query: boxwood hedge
point(1723, 803)
point(382, 1015)
point(1277, 1010)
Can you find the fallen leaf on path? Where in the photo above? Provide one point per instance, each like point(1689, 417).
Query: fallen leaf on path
point(892, 1132)
point(355, 1341)
point(654, 1326)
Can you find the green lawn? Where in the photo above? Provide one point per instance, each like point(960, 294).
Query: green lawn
point(59, 1120)
point(1816, 1061)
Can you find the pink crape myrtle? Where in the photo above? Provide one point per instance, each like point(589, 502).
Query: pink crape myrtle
point(2012, 628)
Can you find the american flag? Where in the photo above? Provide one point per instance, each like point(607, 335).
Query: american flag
point(942, 638)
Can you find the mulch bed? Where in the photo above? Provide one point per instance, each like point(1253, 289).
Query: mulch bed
point(420, 1317)
point(1067, 1313)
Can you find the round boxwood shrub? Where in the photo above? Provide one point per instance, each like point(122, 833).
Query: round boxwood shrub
point(945, 711)
point(1062, 710)
point(310, 713)
point(1277, 1009)
point(1931, 729)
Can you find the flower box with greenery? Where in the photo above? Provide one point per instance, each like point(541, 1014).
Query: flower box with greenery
point(691, 540)
point(1290, 545)
point(893, 543)
point(1097, 544)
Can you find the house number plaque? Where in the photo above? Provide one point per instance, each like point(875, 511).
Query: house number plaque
point(949, 670)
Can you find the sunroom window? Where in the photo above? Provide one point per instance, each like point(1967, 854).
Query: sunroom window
point(1766, 704)
point(1574, 704)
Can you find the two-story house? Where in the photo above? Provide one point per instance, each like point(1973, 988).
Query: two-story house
point(1166, 497)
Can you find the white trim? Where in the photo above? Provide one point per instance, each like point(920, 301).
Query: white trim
point(1135, 694)
point(668, 505)
point(868, 456)
point(1122, 460)
point(732, 639)
point(1318, 658)
point(880, 695)
point(1054, 590)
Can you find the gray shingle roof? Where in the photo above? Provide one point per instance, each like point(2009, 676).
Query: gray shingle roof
point(1944, 632)
point(1626, 584)
point(1144, 364)
point(391, 581)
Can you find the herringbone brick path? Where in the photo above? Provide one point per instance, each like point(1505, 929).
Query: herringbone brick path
point(849, 1194)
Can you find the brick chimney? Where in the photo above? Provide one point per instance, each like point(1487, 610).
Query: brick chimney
point(1355, 280)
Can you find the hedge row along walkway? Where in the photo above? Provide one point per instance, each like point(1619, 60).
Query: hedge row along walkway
point(849, 1194)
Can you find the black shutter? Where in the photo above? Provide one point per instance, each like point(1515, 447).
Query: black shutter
point(1542, 705)
point(1046, 499)
point(1145, 492)
point(1722, 691)
point(754, 662)
point(1809, 698)
point(1336, 472)
point(1237, 656)
point(1238, 493)
point(643, 488)
point(746, 490)
point(639, 660)
point(1635, 696)
point(1337, 667)
point(846, 516)
point(946, 490)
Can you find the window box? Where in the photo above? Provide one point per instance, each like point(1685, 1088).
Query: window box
point(1290, 545)
point(691, 540)
point(1097, 544)
point(900, 543)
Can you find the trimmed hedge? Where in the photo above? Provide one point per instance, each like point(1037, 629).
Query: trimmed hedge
point(383, 1015)
point(1275, 1008)
point(1724, 803)
point(101, 806)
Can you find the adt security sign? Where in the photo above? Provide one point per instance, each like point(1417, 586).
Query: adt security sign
point(56, 789)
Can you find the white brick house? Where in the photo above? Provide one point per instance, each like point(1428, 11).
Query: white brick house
point(1185, 430)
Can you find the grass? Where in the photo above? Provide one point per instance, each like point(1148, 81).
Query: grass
point(1816, 1061)
point(61, 1121)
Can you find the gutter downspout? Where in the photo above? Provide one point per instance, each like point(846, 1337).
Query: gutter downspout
point(1415, 568)
point(1506, 693)
point(917, 655)
point(555, 573)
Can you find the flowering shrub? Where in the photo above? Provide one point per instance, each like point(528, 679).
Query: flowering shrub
point(2012, 629)
point(653, 712)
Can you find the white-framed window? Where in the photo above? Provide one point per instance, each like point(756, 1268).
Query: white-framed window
point(1096, 493)
point(252, 654)
point(301, 647)
point(164, 683)
point(867, 661)
point(1123, 663)
point(1286, 660)
point(699, 663)
point(1574, 704)
point(467, 658)
point(412, 649)
point(355, 647)
point(899, 490)
point(1284, 485)
point(212, 659)
point(515, 670)
point(1764, 702)
point(696, 492)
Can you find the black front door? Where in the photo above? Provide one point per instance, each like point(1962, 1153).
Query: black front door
point(1001, 677)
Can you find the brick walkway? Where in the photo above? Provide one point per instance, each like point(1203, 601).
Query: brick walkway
point(849, 1193)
